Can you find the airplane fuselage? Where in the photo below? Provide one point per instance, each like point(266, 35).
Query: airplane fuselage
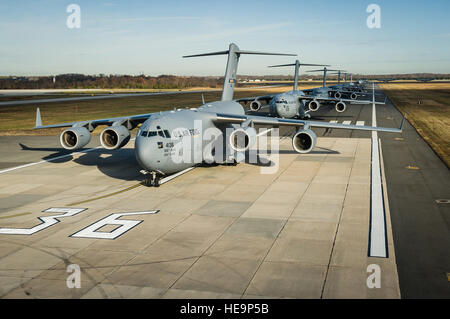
point(288, 105)
point(172, 141)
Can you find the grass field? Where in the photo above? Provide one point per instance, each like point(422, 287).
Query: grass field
point(20, 119)
point(431, 117)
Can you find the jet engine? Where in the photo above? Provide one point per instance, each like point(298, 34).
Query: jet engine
point(353, 96)
point(337, 95)
point(242, 139)
point(75, 138)
point(313, 105)
point(340, 107)
point(114, 137)
point(304, 141)
point(255, 105)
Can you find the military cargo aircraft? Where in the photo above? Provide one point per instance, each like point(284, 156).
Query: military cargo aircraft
point(157, 144)
point(329, 96)
point(287, 104)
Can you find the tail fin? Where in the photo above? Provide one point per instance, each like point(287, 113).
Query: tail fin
point(325, 70)
point(297, 65)
point(230, 72)
point(339, 72)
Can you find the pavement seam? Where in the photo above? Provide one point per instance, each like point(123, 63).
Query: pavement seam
point(284, 224)
point(339, 223)
point(220, 236)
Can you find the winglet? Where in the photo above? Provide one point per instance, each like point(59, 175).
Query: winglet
point(38, 118)
point(403, 123)
point(203, 99)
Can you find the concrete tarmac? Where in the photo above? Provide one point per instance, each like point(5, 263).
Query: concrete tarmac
point(416, 178)
point(219, 232)
point(300, 233)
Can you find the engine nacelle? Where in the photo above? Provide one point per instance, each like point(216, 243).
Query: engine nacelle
point(255, 105)
point(353, 96)
point(340, 107)
point(304, 141)
point(313, 105)
point(114, 137)
point(75, 138)
point(242, 139)
point(338, 95)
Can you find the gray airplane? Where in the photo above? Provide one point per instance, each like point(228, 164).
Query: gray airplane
point(328, 96)
point(161, 134)
point(351, 89)
point(386, 80)
point(425, 80)
point(287, 104)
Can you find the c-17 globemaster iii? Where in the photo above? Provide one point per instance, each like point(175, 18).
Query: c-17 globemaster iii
point(331, 96)
point(161, 133)
point(287, 104)
point(298, 103)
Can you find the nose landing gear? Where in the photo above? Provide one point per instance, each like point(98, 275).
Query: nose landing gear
point(151, 178)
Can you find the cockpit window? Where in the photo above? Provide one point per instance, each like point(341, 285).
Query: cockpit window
point(166, 132)
point(144, 133)
point(152, 133)
point(160, 133)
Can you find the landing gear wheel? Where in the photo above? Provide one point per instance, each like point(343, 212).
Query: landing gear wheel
point(154, 180)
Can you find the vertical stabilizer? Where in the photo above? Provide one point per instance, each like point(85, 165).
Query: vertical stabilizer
point(230, 73)
point(297, 69)
point(234, 54)
point(297, 65)
point(325, 70)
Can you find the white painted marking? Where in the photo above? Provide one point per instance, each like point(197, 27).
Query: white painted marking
point(125, 225)
point(169, 178)
point(360, 123)
point(50, 159)
point(347, 122)
point(265, 132)
point(333, 122)
point(47, 221)
point(377, 215)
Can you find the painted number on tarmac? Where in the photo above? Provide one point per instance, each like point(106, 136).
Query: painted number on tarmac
point(47, 221)
point(92, 231)
point(124, 226)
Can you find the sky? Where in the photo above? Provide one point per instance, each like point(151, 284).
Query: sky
point(150, 37)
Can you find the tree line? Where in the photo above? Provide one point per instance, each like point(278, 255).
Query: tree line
point(81, 81)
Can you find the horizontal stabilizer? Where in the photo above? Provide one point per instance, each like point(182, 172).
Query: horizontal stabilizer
point(238, 52)
point(321, 70)
point(233, 53)
point(207, 54)
point(293, 64)
point(263, 53)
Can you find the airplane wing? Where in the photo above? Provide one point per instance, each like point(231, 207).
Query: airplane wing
point(333, 99)
point(265, 98)
point(273, 121)
point(133, 119)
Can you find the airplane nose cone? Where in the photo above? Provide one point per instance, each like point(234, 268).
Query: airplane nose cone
point(143, 152)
